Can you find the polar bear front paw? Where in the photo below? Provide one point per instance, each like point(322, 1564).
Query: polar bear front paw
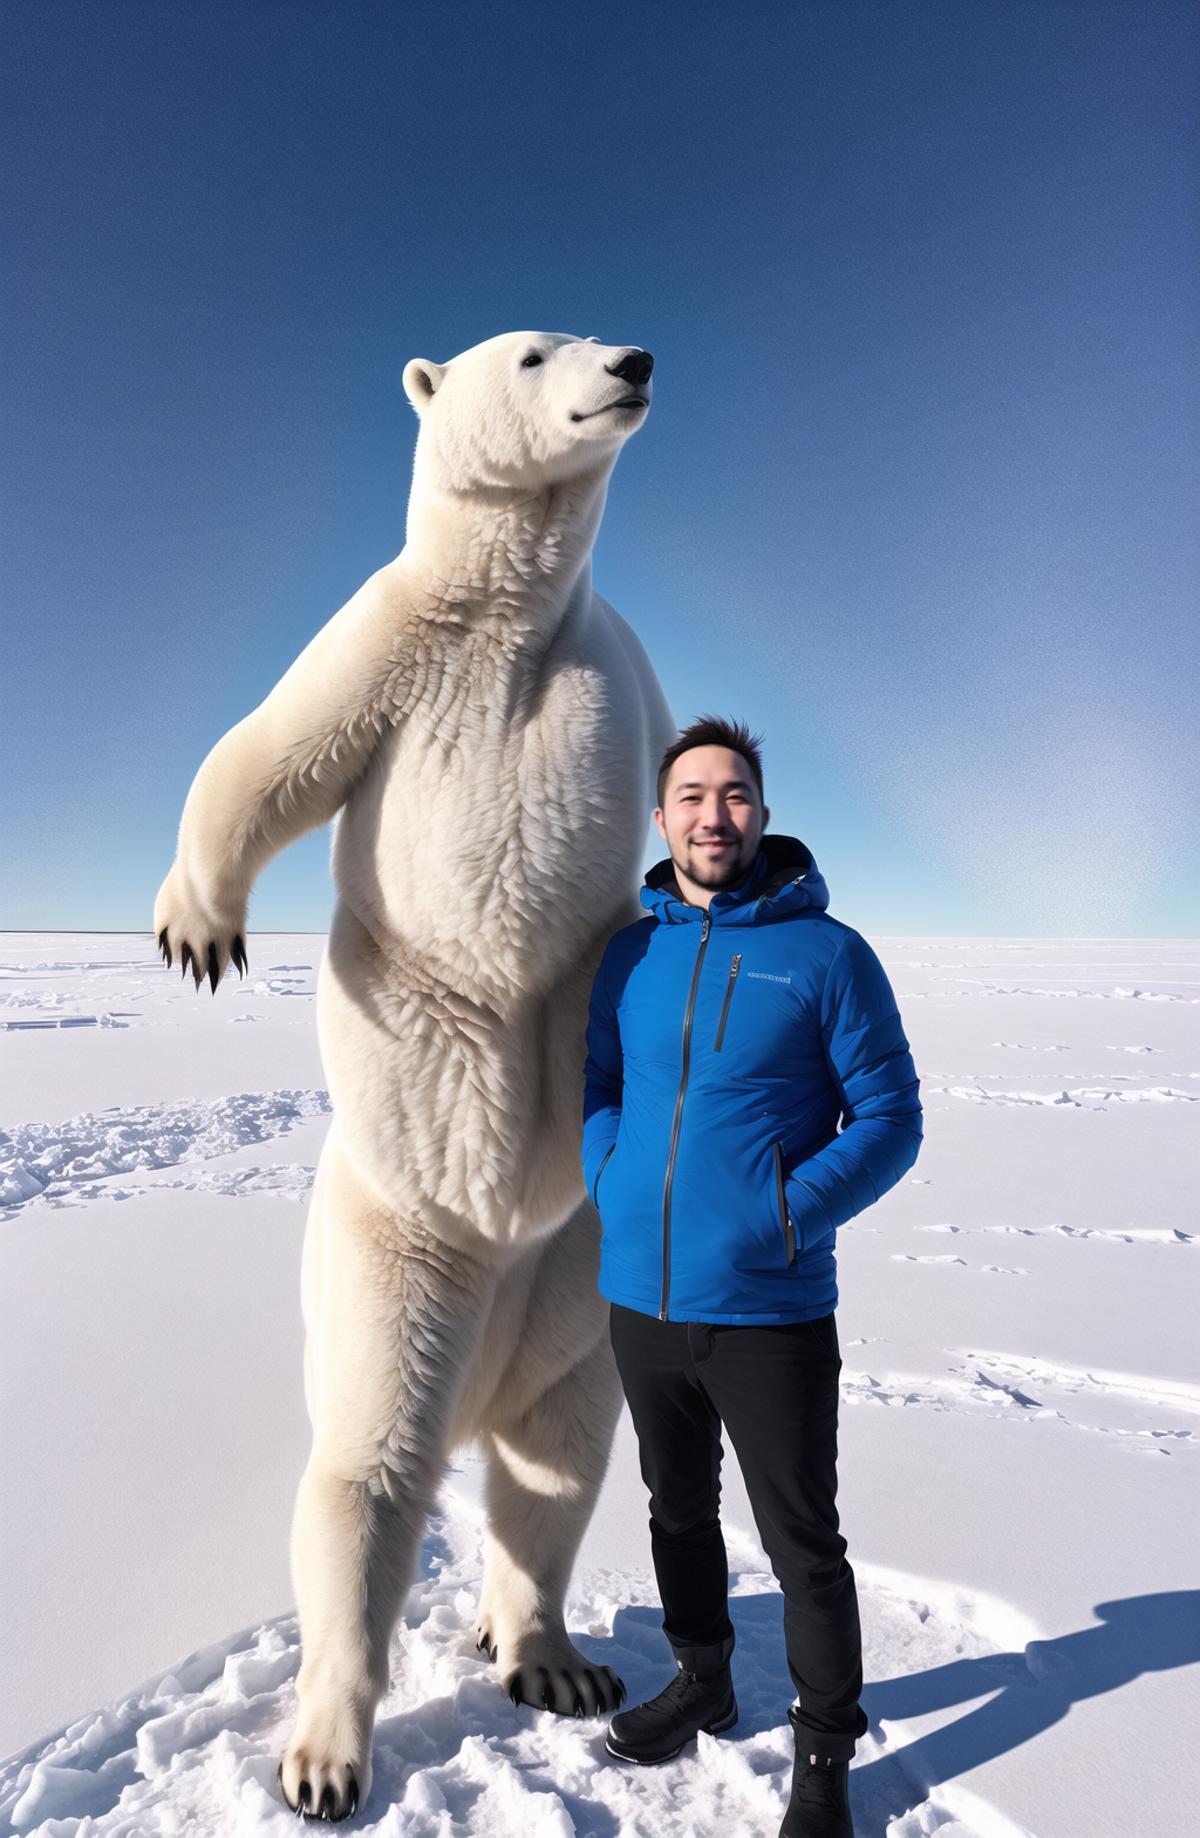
point(205, 937)
point(323, 1785)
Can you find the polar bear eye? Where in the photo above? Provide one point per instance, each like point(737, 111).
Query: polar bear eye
point(530, 362)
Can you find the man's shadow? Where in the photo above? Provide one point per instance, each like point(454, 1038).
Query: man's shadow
point(1026, 1692)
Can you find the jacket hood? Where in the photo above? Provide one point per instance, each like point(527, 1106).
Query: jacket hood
point(783, 880)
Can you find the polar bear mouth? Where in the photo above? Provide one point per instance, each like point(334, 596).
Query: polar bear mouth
point(634, 401)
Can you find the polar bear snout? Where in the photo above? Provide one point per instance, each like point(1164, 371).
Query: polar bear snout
point(631, 366)
point(635, 367)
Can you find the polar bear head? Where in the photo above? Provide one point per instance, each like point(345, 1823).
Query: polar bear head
point(526, 410)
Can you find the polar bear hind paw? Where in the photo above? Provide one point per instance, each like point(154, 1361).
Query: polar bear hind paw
point(332, 1805)
point(568, 1691)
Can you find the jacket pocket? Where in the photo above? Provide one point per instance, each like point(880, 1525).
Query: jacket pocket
point(600, 1170)
point(785, 1218)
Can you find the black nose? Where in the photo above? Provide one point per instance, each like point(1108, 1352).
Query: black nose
point(634, 367)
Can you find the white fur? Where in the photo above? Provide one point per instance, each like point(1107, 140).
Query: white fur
point(486, 728)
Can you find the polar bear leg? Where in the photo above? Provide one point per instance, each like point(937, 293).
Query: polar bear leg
point(393, 1324)
point(544, 1473)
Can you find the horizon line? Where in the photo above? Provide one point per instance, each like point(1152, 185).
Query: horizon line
point(1112, 938)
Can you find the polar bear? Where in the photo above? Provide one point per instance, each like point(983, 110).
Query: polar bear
point(486, 729)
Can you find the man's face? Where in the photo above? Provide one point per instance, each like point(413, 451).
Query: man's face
point(711, 819)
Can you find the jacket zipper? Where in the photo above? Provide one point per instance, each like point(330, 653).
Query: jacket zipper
point(599, 1172)
point(678, 1118)
point(785, 1218)
point(734, 967)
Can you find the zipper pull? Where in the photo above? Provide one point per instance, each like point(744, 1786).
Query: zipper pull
point(705, 923)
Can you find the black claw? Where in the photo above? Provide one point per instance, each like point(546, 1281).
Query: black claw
point(214, 973)
point(481, 1645)
point(514, 1690)
point(185, 957)
point(328, 1806)
point(353, 1792)
point(239, 954)
point(303, 1794)
point(164, 945)
point(594, 1682)
point(547, 1689)
point(579, 1709)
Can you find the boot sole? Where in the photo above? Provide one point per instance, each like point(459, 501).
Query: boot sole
point(716, 1728)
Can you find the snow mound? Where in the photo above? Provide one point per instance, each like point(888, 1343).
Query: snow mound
point(1139, 1413)
point(1082, 1233)
point(1080, 1097)
point(38, 1159)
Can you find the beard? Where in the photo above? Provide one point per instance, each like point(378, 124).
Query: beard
point(722, 871)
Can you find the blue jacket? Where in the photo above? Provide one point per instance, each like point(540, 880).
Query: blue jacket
point(723, 1049)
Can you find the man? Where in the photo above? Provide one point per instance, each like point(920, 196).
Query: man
point(729, 1032)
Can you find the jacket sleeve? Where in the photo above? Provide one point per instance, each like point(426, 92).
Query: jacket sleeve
point(603, 1079)
point(872, 1068)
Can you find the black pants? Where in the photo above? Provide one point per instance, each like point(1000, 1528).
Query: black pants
point(776, 1391)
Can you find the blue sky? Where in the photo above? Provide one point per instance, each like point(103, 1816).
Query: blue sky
point(916, 496)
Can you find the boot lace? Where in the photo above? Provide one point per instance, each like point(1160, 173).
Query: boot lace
point(684, 1690)
point(818, 1783)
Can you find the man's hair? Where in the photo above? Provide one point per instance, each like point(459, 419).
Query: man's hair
point(714, 731)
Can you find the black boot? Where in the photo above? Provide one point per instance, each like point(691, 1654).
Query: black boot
point(820, 1802)
point(657, 1730)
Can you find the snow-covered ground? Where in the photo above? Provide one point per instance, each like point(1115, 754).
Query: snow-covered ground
point(1020, 1439)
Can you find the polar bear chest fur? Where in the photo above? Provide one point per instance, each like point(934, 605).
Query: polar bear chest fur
point(502, 821)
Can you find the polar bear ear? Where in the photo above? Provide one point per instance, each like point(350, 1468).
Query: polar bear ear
point(422, 380)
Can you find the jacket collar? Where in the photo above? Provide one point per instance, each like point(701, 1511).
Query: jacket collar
point(784, 880)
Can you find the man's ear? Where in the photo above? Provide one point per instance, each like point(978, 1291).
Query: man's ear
point(422, 380)
point(766, 815)
point(659, 825)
